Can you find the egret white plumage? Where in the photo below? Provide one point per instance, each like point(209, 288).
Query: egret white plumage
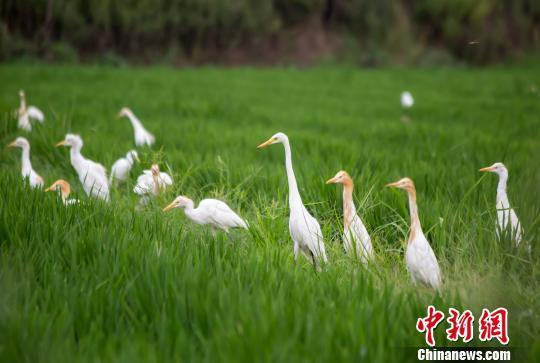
point(26, 114)
point(419, 257)
point(213, 212)
point(27, 171)
point(92, 175)
point(142, 136)
point(304, 229)
point(356, 238)
point(65, 189)
point(407, 100)
point(507, 219)
point(152, 182)
point(121, 167)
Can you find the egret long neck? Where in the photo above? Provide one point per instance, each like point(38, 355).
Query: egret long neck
point(294, 194)
point(25, 161)
point(348, 204)
point(413, 210)
point(77, 160)
point(502, 197)
point(137, 125)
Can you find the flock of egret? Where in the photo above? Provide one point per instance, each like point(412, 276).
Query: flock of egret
point(304, 229)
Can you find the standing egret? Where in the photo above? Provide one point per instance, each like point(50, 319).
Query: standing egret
point(152, 181)
point(421, 261)
point(210, 211)
point(26, 166)
point(142, 136)
point(92, 175)
point(64, 188)
point(356, 239)
point(26, 114)
point(407, 100)
point(506, 217)
point(121, 167)
point(304, 229)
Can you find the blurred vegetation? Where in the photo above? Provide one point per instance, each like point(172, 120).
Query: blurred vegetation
point(371, 32)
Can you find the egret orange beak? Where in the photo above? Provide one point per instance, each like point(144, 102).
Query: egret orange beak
point(61, 143)
point(11, 144)
point(48, 189)
point(270, 141)
point(169, 207)
point(137, 158)
point(331, 181)
point(119, 114)
point(392, 185)
point(487, 168)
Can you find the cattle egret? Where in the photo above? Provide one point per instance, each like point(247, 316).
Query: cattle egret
point(64, 188)
point(121, 167)
point(142, 136)
point(407, 100)
point(356, 239)
point(419, 257)
point(26, 114)
point(210, 211)
point(304, 229)
point(26, 166)
point(506, 217)
point(152, 182)
point(92, 175)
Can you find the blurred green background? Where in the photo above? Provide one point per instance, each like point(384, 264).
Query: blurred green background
point(304, 32)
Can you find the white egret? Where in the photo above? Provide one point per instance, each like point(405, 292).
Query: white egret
point(304, 229)
point(142, 136)
point(65, 189)
point(407, 100)
point(506, 217)
point(356, 238)
point(92, 175)
point(25, 114)
point(419, 257)
point(26, 166)
point(152, 182)
point(121, 167)
point(213, 212)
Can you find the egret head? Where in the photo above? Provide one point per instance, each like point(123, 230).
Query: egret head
point(19, 142)
point(497, 168)
point(61, 185)
point(405, 183)
point(133, 156)
point(407, 99)
point(124, 111)
point(155, 169)
point(71, 140)
point(280, 137)
point(342, 177)
point(21, 94)
point(179, 202)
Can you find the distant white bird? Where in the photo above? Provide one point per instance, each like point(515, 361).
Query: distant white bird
point(506, 217)
point(407, 100)
point(152, 182)
point(26, 114)
point(356, 238)
point(213, 212)
point(304, 229)
point(26, 166)
point(92, 175)
point(419, 257)
point(142, 136)
point(64, 188)
point(121, 167)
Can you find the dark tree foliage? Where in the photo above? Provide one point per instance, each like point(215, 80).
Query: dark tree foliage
point(473, 30)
